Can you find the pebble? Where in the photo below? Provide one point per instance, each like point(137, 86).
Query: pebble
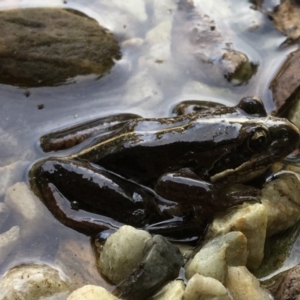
point(205, 288)
point(33, 282)
point(251, 220)
point(8, 241)
point(91, 292)
point(122, 252)
point(28, 210)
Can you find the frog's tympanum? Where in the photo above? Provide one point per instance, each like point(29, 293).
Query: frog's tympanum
point(169, 175)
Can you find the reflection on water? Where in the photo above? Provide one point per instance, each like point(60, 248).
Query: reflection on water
point(149, 80)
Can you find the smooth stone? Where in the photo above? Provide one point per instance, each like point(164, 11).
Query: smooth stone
point(205, 288)
point(33, 282)
point(244, 286)
point(91, 292)
point(251, 220)
point(49, 46)
point(281, 200)
point(11, 174)
point(30, 214)
point(8, 241)
point(122, 252)
point(160, 264)
point(214, 257)
point(4, 213)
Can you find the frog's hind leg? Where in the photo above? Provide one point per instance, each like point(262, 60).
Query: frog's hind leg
point(89, 199)
point(72, 136)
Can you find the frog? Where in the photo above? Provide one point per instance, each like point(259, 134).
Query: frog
point(169, 176)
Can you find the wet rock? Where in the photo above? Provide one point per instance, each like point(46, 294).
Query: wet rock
point(244, 286)
point(286, 18)
point(172, 291)
point(48, 46)
point(4, 213)
point(28, 210)
point(122, 252)
point(281, 200)
point(294, 111)
point(32, 282)
point(205, 288)
point(251, 220)
point(286, 82)
point(199, 47)
point(214, 257)
point(288, 286)
point(91, 292)
point(280, 249)
point(160, 264)
point(11, 174)
point(8, 241)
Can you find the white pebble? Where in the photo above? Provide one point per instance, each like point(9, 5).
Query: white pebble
point(8, 240)
point(205, 288)
point(30, 214)
point(122, 252)
point(32, 282)
point(91, 292)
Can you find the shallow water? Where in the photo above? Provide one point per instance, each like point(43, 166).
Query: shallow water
point(126, 88)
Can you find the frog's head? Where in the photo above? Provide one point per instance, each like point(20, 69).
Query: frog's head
point(262, 140)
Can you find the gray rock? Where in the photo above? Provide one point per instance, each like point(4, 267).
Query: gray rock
point(161, 263)
point(47, 46)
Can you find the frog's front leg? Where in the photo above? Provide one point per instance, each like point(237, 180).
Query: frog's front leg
point(191, 192)
point(71, 136)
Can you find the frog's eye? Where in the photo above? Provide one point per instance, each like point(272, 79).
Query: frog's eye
point(252, 106)
point(258, 141)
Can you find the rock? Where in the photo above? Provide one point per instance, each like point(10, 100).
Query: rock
point(122, 253)
point(288, 286)
point(8, 241)
point(160, 264)
point(172, 291)
point(48, 46)
point(281, 200)
point(251, 220)
point(4, 213)
point(11, 174)
point(244, 286)
point(32, 282)
point(286, 18)
point(200, 49)
point(91, 292)
point(30, 213)
point(205, 288)
point(214, 257)
point(286, 82)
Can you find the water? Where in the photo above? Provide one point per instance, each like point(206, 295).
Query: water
point(148, 81)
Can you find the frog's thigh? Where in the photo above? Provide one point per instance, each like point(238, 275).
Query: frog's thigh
point(72, 190)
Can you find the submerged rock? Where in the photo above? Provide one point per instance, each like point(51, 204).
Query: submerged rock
point(288, 286)
point(199, 47)
point(91, 292)
point(286, 18)
point(285, 84)
point(48, 46)
point(32, 282)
